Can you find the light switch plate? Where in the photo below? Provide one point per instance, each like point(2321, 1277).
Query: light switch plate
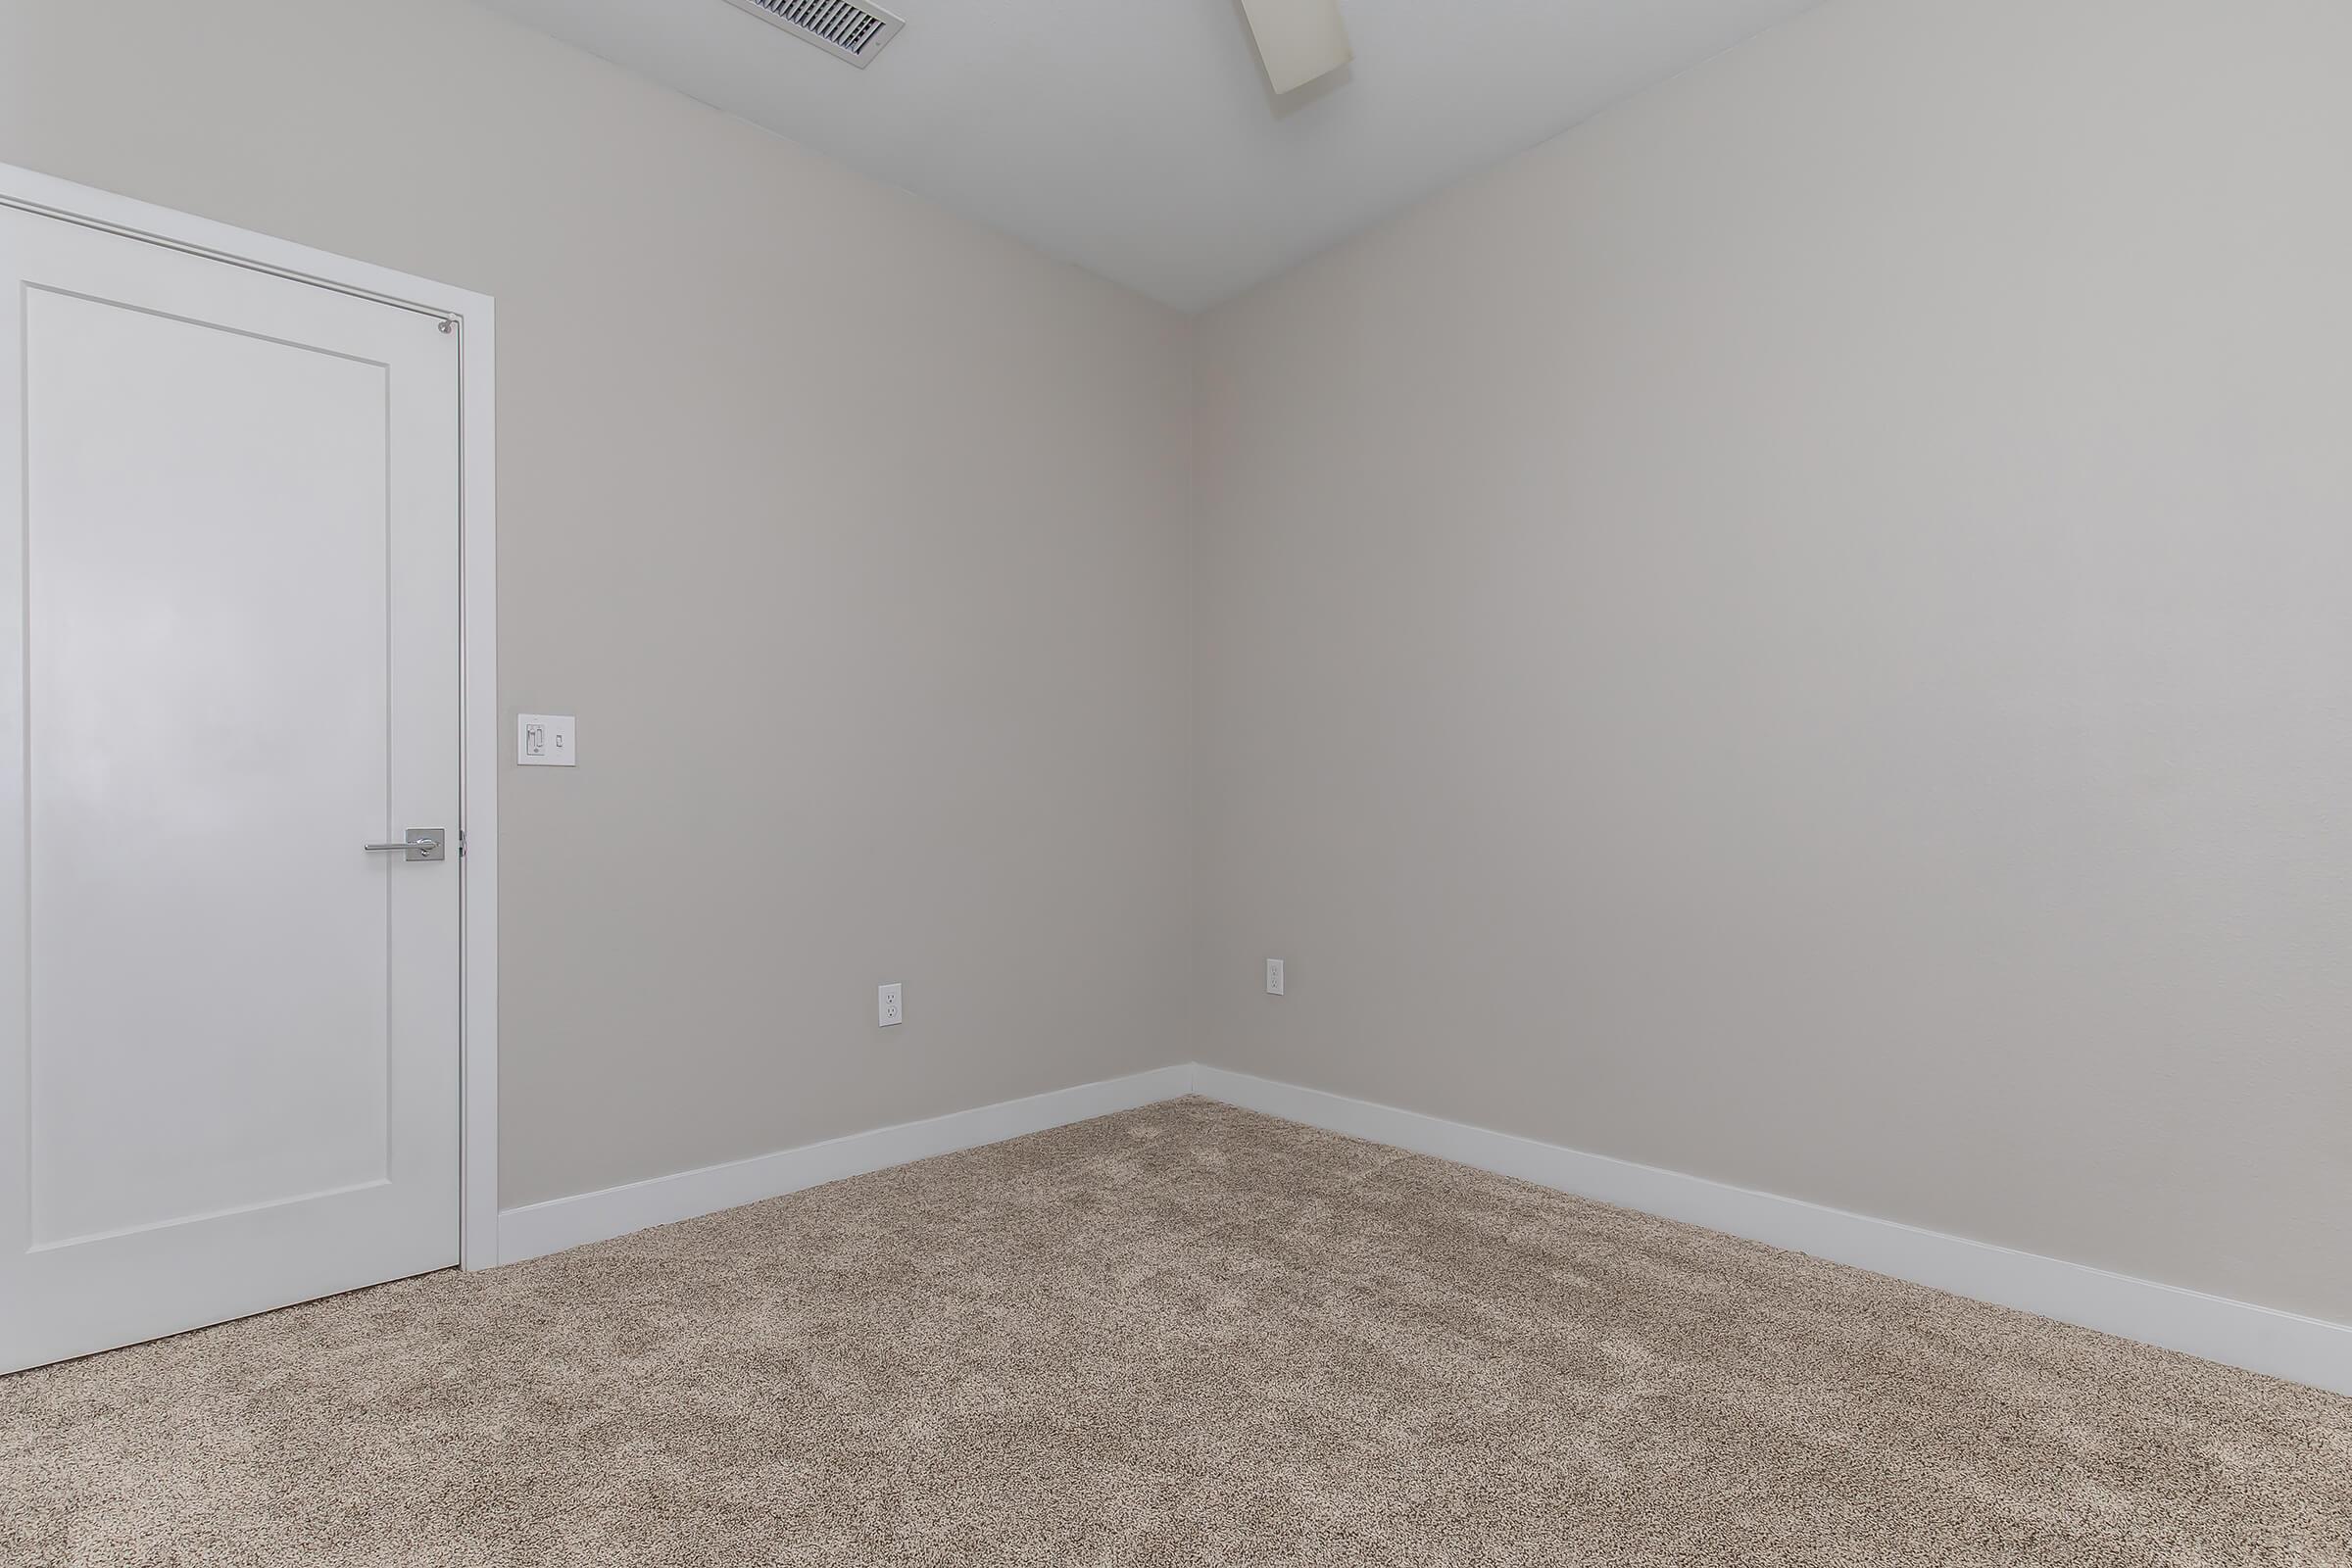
point(546, 739)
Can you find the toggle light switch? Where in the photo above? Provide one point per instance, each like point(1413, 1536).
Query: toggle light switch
point(544, 740)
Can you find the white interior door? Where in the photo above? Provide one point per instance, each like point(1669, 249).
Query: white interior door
point(228, 659)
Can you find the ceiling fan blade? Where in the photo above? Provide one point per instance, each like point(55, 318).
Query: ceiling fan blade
point(1298, 39)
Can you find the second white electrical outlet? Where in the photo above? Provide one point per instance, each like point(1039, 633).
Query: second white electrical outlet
point(891, 1009)
point(1273, 977)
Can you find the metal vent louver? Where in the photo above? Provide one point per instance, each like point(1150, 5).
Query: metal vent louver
point(857, 34)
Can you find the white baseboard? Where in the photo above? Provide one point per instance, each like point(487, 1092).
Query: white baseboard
point(539, 1229)
point(2238, 1333)
point(2301, 1350)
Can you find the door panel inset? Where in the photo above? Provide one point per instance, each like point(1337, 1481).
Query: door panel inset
point(209, 737)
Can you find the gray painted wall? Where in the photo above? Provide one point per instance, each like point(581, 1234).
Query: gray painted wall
point(1795, 634)
point(855, 536)
point(1802, 633)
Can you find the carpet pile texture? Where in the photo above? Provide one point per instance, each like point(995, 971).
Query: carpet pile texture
point(1183, 1334)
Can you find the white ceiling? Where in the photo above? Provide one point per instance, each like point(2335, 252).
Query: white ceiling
point(1139, 139)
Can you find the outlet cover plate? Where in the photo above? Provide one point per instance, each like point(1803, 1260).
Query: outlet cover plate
point(1273, 977)
point(890, 1008)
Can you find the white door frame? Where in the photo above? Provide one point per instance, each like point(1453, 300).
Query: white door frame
point(474, 317)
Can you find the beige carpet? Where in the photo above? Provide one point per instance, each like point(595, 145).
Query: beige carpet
point(1184, 1334)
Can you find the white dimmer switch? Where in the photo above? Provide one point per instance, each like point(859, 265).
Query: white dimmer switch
point(545, 740)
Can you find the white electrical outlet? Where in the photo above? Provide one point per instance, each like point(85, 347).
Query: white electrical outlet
point(889, 1007)
point(545, 740)
point(1273, 977)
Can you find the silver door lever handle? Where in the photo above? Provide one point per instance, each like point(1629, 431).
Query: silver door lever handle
point(421, 844)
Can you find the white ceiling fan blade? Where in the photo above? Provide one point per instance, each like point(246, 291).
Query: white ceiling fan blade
point(1298, 39)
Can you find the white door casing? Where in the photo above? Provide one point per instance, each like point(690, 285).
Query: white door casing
point(229, 655)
